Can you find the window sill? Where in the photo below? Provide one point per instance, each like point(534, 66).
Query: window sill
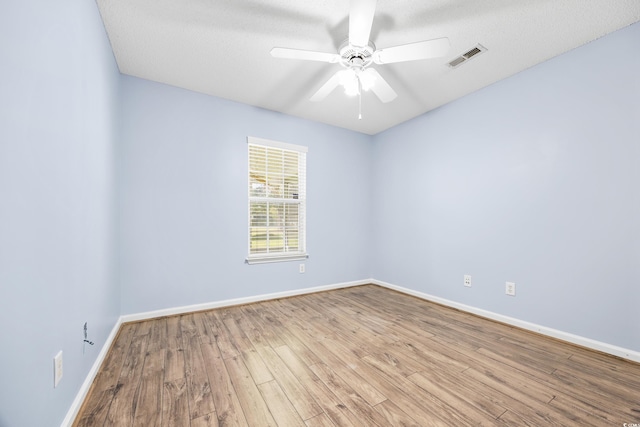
point(264, 259)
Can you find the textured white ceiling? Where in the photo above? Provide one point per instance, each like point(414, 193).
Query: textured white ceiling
point(221, 48)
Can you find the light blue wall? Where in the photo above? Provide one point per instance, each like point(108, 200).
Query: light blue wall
point(183, 217)
point(535, 180)
point(58, 94)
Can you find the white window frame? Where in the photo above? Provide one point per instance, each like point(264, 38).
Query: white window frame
point(300, 201)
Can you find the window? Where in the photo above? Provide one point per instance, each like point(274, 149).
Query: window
point(277, 201)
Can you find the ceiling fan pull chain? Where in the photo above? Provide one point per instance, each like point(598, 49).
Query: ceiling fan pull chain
point(359, 99)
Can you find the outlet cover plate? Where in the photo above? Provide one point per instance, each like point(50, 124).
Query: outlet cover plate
point(467, 280)
point(57, 369)
point(301, 268)
point(510, 289)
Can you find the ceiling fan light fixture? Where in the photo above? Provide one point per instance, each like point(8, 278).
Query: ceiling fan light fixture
point(349, 80)
point(367, 80)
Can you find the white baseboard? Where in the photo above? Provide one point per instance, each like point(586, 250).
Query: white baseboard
point(236, 301)
point(554, 333)
point(86, 385)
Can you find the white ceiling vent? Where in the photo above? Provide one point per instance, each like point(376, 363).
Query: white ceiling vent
point(475, 51)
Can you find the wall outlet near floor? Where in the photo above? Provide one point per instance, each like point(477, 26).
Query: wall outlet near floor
point(467, 280)
point(301, 268)
point(511, 289)
point(57, 369)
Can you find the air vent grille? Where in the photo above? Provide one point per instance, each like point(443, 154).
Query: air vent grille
point(454, 63)
point(472, 52)
point(459, 60)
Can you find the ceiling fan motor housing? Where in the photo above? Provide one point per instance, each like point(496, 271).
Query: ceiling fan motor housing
point(355, 57)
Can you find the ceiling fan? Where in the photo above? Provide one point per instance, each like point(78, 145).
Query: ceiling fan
point(358, 53)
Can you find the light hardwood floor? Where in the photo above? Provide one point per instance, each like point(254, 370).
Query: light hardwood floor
point(363, 356)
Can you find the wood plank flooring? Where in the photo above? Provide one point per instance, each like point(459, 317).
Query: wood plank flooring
point(362, 356)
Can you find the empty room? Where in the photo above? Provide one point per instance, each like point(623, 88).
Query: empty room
point(319, 213)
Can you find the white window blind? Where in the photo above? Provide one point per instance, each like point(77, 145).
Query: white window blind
point(277, 201)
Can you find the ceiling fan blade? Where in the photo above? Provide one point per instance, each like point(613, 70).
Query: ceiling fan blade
point(380, 87)
point(327, 88)
point(360, 21)
point(412, 51)
point(305, 55)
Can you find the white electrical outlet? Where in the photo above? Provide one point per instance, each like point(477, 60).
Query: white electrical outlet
point(301, 268)
point(57, 369)
point(511, 289)
point(467, 280)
